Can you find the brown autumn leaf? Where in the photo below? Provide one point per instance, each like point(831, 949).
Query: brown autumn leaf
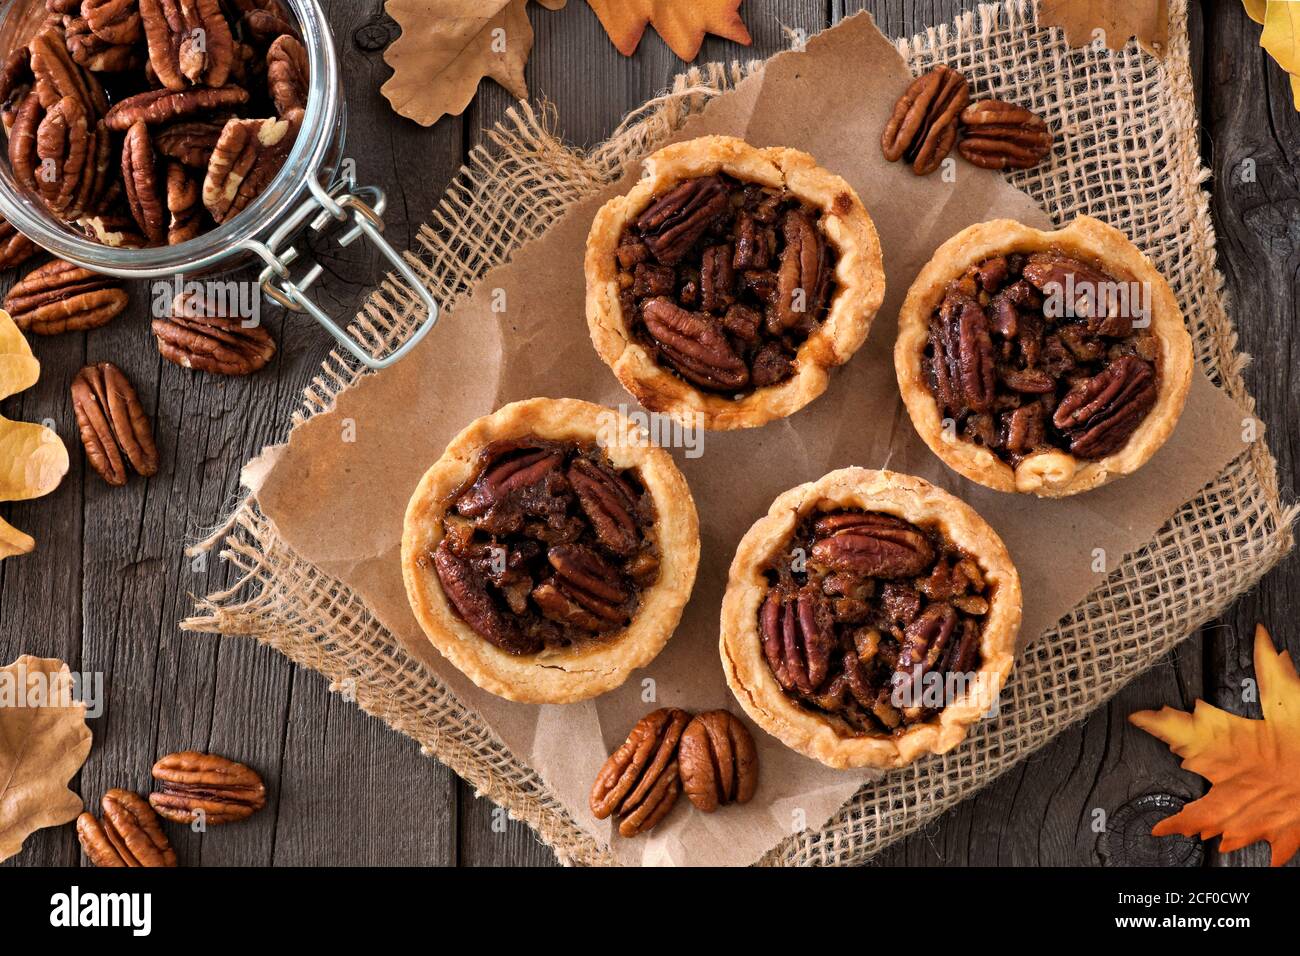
point(1148, 20)
point(682, 25)
point(44, 740)
point(1253, 765)
point(448, 46)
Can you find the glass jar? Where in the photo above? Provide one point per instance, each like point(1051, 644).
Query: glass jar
point(314, 189)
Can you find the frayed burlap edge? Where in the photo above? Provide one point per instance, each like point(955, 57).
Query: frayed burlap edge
point(1215, 547)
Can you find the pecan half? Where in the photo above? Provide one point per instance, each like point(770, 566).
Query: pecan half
point(639, 781)
point(263, 24)
point(924, 642)
point(871, 545)
point(693, 345)
point(71, 159)
point(469, 596)
point(1100, 413)
point(965, 375)
point(718, 761)
point(797, 637)
point(114, 427)
point(510, 465)
point(56, 75)
point(184, 205)
point(15, 83)
point(202, 335)
point(94, 52)
point(190, 142)
point(129, 835)
point(190, 42)
point(288, 75)
point(144, 196)
point(246, 159)
point(1000, 135)
point(62, 297)
point(1089, 290)
point(203, 786)
point(679, 217)
point(609, 504)
point(595, 593)
point(162, 106)
point(803, 276)
point(114, 21)
point(923, 126)
point(15, 248)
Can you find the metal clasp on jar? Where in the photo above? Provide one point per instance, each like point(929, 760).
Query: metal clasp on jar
point(365, 206)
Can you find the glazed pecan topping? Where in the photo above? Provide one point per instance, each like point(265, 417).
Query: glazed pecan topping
point(639, 782)
point(547, 546)
point(1032, 352)
point(722, 281)
point(861, 607)
point(923, 126)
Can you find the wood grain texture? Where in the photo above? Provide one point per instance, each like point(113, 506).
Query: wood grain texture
point(110, 579)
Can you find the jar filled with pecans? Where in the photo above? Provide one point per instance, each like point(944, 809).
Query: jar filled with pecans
point(169, 138)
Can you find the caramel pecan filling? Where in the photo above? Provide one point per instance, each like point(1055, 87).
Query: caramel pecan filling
point(1043, 351)
point(548, 546)
point(873, 620)
point(722, 281)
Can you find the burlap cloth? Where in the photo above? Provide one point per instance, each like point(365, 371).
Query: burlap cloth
point(1132, 160)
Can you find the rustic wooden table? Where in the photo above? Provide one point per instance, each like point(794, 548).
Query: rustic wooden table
point(110, 580)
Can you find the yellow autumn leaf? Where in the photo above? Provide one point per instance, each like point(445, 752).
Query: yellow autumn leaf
point(33, 459)
point(1255, 9)
point(1253, 765)
point(682, 25)
point(1281, 36)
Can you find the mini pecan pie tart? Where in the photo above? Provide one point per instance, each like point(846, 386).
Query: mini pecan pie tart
point(870, 618)
point(730, 281)
point(550, 550)
point(1042, 362)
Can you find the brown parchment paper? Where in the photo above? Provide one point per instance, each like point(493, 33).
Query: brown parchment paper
point(338, 491)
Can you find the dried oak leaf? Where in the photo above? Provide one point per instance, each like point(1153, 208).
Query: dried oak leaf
point(41, 746)
point(448, 46)
point(1253, 765)
point(1110, 21)
point(33, 460)
point(682, 25)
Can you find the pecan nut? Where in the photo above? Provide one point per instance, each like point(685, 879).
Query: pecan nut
point(55, 75)
point(155, 107)
point(586, 590)
point(15, 83)
point(199, 786)
point(468, 595)
point(923, 126)
point(248, 155)
point(1102, 412)
point(609, 504)
point(963, 368)
point(202, 334)
point(1088, 289)
point(114, 426)
point(694, 346)
point(140, 175)
point(673, 223)
point(287, 75)
point(999, 135)
point(796, 628)
point(62, 297)
point(92, 51)
point(718, 761)
point(870, 544)
point(130, 834)
point(924, 642)
point(803, 277)
point(640, 780)
point(190, 42)
point(511, 465)
point(15, 248)
point(113, 21)
point(190, 142)
point(184, 205)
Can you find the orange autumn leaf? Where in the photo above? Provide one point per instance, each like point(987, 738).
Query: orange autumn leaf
point(1110, 21)
point(1253, 765)
point(681, 24)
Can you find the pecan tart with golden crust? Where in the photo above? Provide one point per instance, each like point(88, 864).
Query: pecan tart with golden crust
point(550, 550)
point(730, 281)
point(870, 618)
point(1042, 362)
